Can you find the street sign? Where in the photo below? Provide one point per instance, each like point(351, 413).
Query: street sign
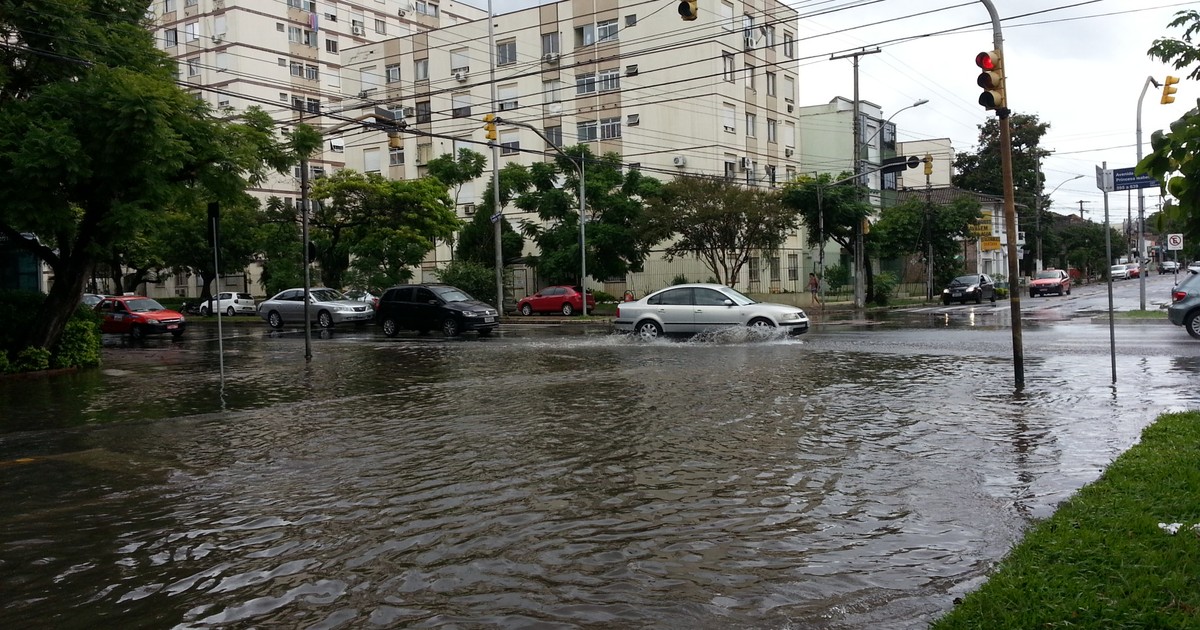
point(1104, 179)
point(1174, 241)
point(989, 243)
point(1125, 179)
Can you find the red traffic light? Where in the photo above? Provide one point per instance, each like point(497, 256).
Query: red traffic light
point(987, 60)
point(991, 80)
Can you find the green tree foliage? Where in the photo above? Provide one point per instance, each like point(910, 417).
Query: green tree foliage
point(183, 238)
point(981, 172)
point(911, 228)
point(479, 281)
point(455, 172)
point(720, 223)
point(1173, 159)
point(96, 138)
point(616, 235)
point(1081, 245)
point(477, 239)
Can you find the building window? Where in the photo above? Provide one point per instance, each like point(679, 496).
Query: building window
point(610, 128)
point(172, 37)
point(550, 43)
point(772, 130)
point(222, 60)
point(310, 38)
point(510, 142)
point(297, 68)
point(551, 91)
point(793, 264)
point(424, 113)
point(728, 114)
point(770, 33)
point(789, 45)
point(312, 73)
point(606, 31)
point(371, 160)
point(298, 103)
point(424, 153)
point(753, 269)
point(585, 83)
point(459, 60)
point(192, 31)
point(193, 66)
point(337, 145)
point(369, 79)
point(380, 27)
point(506, 53)
point(507, 96)
point(461, 104)
point(168, 6)
point(396, 156)
point(727, 72)
point(750, 77)
point(725, 15)
point(751, 169)
point(421, 69)
point(283, 96)
point(773, 261)
point(751, 124)
point(554, 135)
point(789, 89)
point(630, 20)
point(331, 45)
point(295, 34)
point(585, 35)
point(312, 106)
point(427, 8)
point(730, 167)
point(771, 84)
point(586, 131)
point(392, 73)
point(610, 80)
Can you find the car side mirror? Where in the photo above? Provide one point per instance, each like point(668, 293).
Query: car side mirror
point(728, 302)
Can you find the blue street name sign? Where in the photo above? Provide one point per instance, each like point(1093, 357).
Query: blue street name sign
point(1124, 179)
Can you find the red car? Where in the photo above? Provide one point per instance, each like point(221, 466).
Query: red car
point(138, 316)
point(556, 299)
point(1049, 281)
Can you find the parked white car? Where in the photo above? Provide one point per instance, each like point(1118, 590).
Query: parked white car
point(687, 309)
point(1119, 272)
point(230, 304)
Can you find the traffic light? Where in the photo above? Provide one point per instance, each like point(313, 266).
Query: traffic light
point(991, 80)
point(688, 10)
point(899, 163)
point(928, 160)
point(1168, 90)
point(489, 123)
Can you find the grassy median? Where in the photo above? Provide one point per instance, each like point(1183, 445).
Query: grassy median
point(1102, 560)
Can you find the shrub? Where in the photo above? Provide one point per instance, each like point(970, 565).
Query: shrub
point(477, 280)
point(604, 296)
point(80, 343)
point(4, 364)
point(836, 277)
point(885, 285)
point(31, 359)
point(679, 279)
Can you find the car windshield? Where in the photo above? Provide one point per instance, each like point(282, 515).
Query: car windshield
point(325, 295)
point(738, 298)
point(143, 305)
point(1051, 275)
point(244, 296)
point(971, 279)
point(1118, 267)
point(450, 294)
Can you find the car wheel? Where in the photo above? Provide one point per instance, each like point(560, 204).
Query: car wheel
point(177, 334)
point(761, 323)
point(526, 310)
point(229, 312)
point(568, 310)
point(1032, 294)
point(993, 299)
point(390, 328)
point(1192, 323)
point(485, 332)
point(450, 327)
point(946, 301)
point(204, 311)
point(274, 320)
point(648, 329)
point(979, 298)
point(137, 333)
point(324, 320)
point(1068, 290)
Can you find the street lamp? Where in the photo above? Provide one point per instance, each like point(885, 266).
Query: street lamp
point(1037, 221)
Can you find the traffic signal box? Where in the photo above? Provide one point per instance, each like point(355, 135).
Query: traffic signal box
point(1169, 90)
point(688, 10)
point(991, 79)
point(489, 124)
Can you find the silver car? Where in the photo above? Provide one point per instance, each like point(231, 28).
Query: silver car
point(326, 307)
point(687, 309)
point(1185, 305)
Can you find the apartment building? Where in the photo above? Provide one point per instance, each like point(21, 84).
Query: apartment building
point(715, 96)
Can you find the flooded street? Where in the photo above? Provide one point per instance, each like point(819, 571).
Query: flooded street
point(858, 476)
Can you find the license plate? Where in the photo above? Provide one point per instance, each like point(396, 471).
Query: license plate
point(957, 294)
point(488, 320)
point(172, 326)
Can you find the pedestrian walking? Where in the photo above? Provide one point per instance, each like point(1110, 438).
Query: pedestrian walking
point(814, 287)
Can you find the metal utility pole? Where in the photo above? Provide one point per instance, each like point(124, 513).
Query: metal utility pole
point(304, 253)
point(1141, 242)
point(498, 215)
point(1112, 335)
point(859, 257)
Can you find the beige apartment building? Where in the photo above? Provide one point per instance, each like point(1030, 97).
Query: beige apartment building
point(715, 96)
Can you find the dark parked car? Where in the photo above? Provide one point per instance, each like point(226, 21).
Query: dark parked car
point(975, 286)
point(425, 307)
point(1185, 305)
point(556, 299)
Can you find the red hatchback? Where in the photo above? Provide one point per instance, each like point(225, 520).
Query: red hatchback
point(557, 299)
point(138, 316)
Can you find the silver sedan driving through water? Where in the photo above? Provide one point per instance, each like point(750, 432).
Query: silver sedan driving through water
point(688, 309)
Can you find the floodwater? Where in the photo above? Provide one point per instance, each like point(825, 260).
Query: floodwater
point(861, 476)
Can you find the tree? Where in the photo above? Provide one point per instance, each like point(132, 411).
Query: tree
point(455, 172)
point(184, 243)
point(96, 138)
point(477, 239)
point(1173, 159)
point(914, 228)
point(721, 223)
point(981, 172)
point(617, 241)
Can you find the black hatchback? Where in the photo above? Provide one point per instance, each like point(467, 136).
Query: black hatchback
point(426, 307)
point(973, 287)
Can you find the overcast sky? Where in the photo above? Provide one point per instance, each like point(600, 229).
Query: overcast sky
point(1080, 68)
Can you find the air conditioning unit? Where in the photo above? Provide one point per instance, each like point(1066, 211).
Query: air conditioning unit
point(791, 108)
point(679, 160)
point(181, 292)
point(461, 77)
point(357, 30)
point(550, 58)
point(745, 162)
point(468, 209)
point(555, 108)
point(218, 38)
point(788, 152)
point(400, 12)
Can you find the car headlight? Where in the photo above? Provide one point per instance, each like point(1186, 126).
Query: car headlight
point(470, 314)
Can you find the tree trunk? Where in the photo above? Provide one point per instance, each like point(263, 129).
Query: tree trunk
point(62, 301)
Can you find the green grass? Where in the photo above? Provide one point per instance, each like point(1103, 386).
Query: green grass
point(1154, 314)
point(1101, 561)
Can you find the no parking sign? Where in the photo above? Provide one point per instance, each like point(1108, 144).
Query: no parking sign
point(1174, 241)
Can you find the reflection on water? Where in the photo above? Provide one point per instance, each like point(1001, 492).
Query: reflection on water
point(831, 480)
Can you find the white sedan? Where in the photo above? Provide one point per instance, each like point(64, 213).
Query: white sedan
point(230, 304)
point(1118, 272)
point(687, 309)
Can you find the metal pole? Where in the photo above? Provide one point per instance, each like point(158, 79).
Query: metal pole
point(582, 234)
point(821, 244)
point(304, 253)
point(1112, 335)
point(1141, 200)
point(498, 215)
point(213, 210)
point(1010, 213)
point(929, 231)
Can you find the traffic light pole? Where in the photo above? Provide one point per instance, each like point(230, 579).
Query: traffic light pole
point(1141, 199)
point(1010, 211)
point(497, 214)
